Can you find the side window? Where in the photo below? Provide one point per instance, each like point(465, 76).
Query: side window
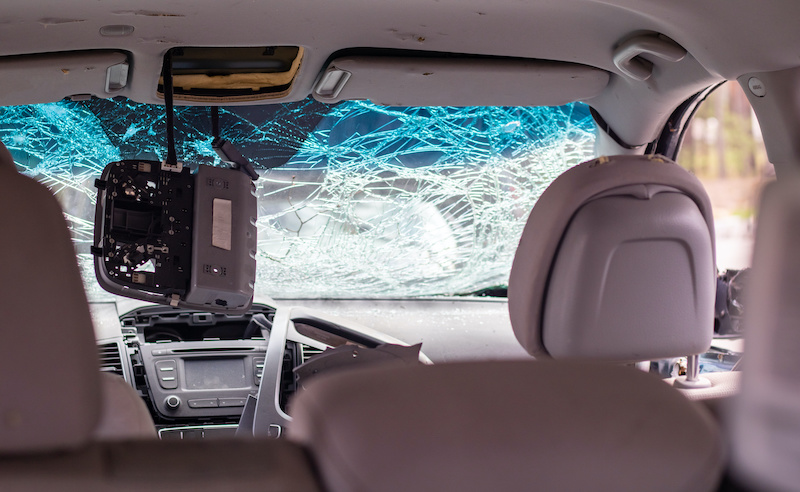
point(723, 147)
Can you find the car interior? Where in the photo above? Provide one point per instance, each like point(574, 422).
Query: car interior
point(385, 246)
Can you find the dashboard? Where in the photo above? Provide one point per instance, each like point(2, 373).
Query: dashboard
point(197, 371)
point(205, 375)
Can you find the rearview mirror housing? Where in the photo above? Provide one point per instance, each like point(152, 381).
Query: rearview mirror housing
point(166, 235)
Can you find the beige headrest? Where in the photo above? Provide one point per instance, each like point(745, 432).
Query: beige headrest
point(49, 386)
point(616, 262)
point(510, 426)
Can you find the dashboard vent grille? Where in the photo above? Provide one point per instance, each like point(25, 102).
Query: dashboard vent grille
point(309, 351)
point(110, 360)
point(294, 355)
point(291, 357)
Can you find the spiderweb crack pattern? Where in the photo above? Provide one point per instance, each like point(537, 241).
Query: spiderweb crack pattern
point(369, 201)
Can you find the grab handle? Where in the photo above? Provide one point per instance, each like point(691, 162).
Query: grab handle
point(628, 61)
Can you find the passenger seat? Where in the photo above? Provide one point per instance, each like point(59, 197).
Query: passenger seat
point(506, 426)
point(764, 423)
point(51, 391)
point(616, 264)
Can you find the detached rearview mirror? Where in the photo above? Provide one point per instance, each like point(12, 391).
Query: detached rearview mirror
point(166, 235)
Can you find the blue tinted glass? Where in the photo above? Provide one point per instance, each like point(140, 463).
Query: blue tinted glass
point(368, 200)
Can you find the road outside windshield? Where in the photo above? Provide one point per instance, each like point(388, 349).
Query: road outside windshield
point(368, 201)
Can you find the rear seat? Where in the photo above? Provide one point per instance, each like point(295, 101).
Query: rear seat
point(51, 389)
point(152, 465)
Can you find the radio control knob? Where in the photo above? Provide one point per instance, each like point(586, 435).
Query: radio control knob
point(173, 402)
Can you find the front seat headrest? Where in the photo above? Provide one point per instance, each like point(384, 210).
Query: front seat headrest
point(616, 262)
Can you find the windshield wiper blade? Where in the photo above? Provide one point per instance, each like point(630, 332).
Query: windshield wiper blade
point(493, 291)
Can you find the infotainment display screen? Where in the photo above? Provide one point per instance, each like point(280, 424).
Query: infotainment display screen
point(216, 373)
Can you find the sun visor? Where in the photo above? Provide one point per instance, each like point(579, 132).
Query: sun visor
point(43, 78)
point(463, 81)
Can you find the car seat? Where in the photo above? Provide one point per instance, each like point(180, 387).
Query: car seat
point(506, 425)
point(552, 425)
point(58, 303)
point(51, 391)
point(764, 419)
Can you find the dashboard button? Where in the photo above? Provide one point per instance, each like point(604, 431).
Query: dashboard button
point(203, 403)
point(231, 402)
point(167, 434)
point(258, 369)
point(274, 431)
point(166, 372)
point(173, 402)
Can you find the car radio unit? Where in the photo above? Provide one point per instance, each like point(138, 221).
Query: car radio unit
point(193, 380)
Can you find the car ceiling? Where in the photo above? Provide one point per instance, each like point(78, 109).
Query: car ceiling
point(724, 38)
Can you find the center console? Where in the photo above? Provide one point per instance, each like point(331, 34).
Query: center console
point(198, 370)
point(199, 380)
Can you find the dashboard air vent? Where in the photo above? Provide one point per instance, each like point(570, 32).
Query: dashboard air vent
point(110, 360)
point(291, 359)
point(309, 352)
point(294, 355)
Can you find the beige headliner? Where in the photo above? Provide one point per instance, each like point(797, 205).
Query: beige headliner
point(725, 39)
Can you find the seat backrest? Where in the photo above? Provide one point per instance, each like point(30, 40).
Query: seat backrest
point(764, 427)
point(50, 392)
point(51, 389)
point(616, 262)
point(124, 415)
point(506, 425)
point(153, 465)
point(46, 318)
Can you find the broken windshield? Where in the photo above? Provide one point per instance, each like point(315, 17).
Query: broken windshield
point(368, 201)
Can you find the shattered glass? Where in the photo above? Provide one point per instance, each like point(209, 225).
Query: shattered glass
point(368, 201)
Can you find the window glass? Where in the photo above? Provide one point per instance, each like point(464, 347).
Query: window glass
point(724, 148)
point(367, 201)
